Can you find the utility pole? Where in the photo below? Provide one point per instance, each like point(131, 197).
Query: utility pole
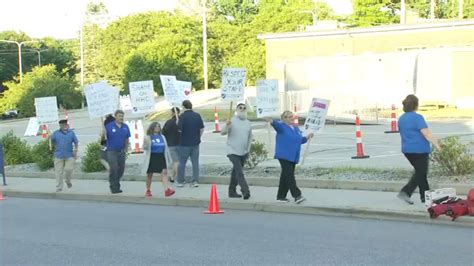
point(403, 12)
point(204, 43)
point(461, 4)
point(432, 10)
point(19, 44)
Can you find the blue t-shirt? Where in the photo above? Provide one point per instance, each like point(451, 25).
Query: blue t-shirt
point(63, 142)
point(116, 136)
point(288, 142)
point(190, 125)
point(157, 143)
point(413, 141)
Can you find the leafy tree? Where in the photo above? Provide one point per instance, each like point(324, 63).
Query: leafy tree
point(40, 82)
point(374, 13)
point(443, 9)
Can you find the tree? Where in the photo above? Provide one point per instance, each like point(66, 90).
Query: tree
point(374, 13)
point(9, 54)
point(444, 9)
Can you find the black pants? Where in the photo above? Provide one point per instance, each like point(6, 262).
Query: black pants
point(287, 180)
point(237, 177)
point(116, 161)
point(420, 177)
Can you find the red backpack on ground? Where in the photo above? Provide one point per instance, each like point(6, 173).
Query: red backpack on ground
point(470, 202)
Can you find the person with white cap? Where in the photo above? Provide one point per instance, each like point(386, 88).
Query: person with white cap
point(239, 139)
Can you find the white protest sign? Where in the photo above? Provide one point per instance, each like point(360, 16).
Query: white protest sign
point(233, 84)
point(268, 101)
point(46, 110)
point(32, 128)
point(170, 90)
point(101, 99)
point(184, 90)
point(125, 103)
point(142, 97)
point(316, 117)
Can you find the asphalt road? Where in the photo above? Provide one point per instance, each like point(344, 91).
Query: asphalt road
point(54, 232)
point(333, 147)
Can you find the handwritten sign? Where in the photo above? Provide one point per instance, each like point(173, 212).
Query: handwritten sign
point(32, 128)
point(316, 117)
point(169, 84)
point(101, 99)
point(125, 103)
point(184, 89)
point(142, 97)
point(267, 98)
point(233, 84)
point(46, 110)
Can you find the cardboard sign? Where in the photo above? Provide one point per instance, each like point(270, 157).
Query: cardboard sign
point(268, 102)
point(46, 110)
point(32, 128)
point(316, 117)
point(169, 84)
point(184, 90)
point(142, 97)
point(233, 84)
point(125, 103)
point(101, 99)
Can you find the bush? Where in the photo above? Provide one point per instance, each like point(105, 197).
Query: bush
point(91, 160)
point(16, 150)
point(42, 156)
point(454, 157)
point(258, 153)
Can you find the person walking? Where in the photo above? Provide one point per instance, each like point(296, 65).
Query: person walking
point(103, 151)
point(116, 134)
point(171, 133)
point(415, 139)
point(239, 139)
point(191, 127)
point(62, 142)
point(156, 157)
point(287, 150)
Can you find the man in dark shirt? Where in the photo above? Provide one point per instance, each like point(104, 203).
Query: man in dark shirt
point(191, 126)
point(171, 132)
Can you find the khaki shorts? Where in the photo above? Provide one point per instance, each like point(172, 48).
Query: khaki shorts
point(174, 151)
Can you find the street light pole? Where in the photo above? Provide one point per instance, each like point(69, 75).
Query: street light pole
point(204, 43)
point(19, 44)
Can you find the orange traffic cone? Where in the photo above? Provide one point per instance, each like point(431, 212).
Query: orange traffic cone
point(137, 144)
point(1, 195)
point(360, 149)
point(296, 121)
point(216, 122)
point(393, 121)
point(44, 131)
point(213, 202)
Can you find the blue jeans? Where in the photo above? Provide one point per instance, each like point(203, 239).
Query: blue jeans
point(184, 153)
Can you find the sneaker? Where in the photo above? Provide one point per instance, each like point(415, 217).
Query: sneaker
point(148, 193)
point(195, 184)
point(299, 199)
point(403, 196)
point(117, 191)
point(169, 192)
point(284, 200)
point(234, 195)
point(69, 185)
point(171, 180)
point(59, 189)
point(247, 196)
point(180, 185)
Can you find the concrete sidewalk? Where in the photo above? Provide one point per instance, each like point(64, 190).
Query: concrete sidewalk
point(353, 203)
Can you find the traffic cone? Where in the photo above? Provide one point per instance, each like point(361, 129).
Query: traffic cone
point(296, 121)
point(393, 121)
point(44, 131)
point(213, 202)
point(137, 142)
point(216, 122)
point(1, 195)
point(360, 149)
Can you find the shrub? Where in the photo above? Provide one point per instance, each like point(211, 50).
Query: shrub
point(91, 160)
point(258, 153)
point(16, 150)
point(42, 156)
point(454, 157)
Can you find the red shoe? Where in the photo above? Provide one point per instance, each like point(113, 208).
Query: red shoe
point(148, 193)
point(169, 192)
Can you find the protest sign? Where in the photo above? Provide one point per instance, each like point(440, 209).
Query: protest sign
point(184, 90)
point(233, 84)
point(125, 103)
point(32, 128)
point(316, 117)
point(46, 110)
point(268, 101)
point(170, 90)
point(101, 99)
point(142, 97)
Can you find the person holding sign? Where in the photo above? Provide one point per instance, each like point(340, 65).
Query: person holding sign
point(62, 141)
point(116, 134)
point(171, 133)
point(239, 139)
point(287, 150)
point(157, 157)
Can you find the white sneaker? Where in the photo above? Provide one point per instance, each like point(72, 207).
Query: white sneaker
point(180, 185)
point(283, 200)
point(195, 184)
point(299, 199)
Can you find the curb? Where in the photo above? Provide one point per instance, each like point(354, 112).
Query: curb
point(414, 217)
point(387, 186)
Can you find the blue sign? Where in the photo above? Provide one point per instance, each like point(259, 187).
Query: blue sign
point(2, 165)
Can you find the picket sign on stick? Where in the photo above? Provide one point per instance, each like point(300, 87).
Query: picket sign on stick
point(315, 120)
point(230, 109)
point(270, 141)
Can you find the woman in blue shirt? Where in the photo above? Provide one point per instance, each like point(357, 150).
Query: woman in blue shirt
point(287, 150)
point(416, 139)
point(156, 158)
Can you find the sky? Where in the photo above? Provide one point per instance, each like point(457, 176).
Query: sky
point(62, 18)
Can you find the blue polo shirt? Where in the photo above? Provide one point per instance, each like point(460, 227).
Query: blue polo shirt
point(190, 125)
point(410, 125)
point(288, 142)
point(116, 136)
point(157, 143)
point(63, 143)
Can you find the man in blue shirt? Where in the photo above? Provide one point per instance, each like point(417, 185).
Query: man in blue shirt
point(117, 134)
point(62, 141)
point(191, 126)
